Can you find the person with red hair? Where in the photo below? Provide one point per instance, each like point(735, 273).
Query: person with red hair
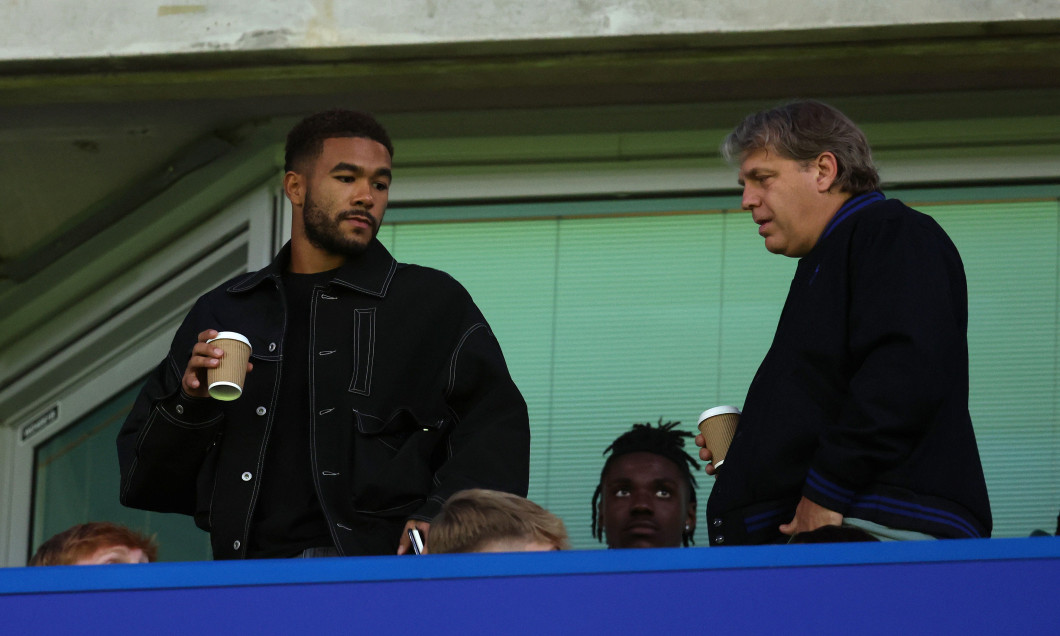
point(96, 543)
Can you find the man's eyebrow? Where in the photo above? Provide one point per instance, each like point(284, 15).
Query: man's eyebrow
point(343, 166)
point(664, 480)
point(754, 174)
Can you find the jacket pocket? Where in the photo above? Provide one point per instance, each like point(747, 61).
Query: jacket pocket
point(396, 432)
point(394, 461)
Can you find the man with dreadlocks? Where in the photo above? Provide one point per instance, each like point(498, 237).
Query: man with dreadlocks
point(647, 494)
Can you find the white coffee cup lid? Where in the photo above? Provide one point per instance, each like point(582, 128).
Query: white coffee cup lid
point(231, 335)
point(718, 410)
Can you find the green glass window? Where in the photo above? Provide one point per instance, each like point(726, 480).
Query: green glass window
point(76, 480)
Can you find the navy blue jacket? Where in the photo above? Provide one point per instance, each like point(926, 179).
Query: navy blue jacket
point(861, 403)
point(410, 401)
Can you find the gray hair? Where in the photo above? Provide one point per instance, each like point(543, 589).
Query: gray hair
point(802, 130)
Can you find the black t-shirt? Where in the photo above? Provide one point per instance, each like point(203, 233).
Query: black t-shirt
point(288, 517)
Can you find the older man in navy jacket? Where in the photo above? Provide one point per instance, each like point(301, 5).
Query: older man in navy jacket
point(858, 416)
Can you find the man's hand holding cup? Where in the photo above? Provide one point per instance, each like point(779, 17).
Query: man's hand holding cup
point(203, 375)
point(705, 454)
point(716, 429)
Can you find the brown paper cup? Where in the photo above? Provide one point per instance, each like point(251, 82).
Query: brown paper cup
point(226, 379)
point(718, 425)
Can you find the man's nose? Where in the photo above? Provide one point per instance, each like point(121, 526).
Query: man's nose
point(642, 502)
point(362, 194)
point(750, 199)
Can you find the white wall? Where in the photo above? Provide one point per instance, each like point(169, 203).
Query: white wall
point(56, 29)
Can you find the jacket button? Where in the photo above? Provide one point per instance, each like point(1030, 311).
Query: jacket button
point(716, 523)
point(719, 539)
point(247, 476)
point(260, 410)
point(272, 347)
point(180, 409)
point(236, 544)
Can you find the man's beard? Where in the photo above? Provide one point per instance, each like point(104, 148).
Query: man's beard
point(324, 232)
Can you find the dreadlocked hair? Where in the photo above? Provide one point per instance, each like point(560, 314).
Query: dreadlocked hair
point(661, 440)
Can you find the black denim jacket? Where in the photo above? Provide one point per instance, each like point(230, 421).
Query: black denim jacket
point(411, 401)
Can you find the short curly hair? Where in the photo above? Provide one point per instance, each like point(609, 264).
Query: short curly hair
point(306, 139)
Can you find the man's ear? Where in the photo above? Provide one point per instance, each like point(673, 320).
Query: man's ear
point(294, 187)
point(827, 171)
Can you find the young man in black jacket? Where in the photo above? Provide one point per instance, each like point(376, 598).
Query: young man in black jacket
point(858, 416)
point(376, 389)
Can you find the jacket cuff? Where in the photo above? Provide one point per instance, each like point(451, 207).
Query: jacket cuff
point(827, 492)
point(188, 411)
point(428, 511)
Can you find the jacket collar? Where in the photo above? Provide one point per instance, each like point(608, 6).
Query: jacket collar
point(369, 273)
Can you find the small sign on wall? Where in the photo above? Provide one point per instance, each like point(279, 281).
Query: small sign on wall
point(39, 424)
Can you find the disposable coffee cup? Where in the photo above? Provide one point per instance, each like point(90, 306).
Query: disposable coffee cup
point(718, 425)
point(226, 379)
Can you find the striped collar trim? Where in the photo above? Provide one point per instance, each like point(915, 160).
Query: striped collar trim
point(848, 209)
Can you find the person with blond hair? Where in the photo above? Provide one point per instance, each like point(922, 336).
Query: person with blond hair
point(479, 520)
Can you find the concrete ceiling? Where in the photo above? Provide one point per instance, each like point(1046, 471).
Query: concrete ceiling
point(82, 141)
